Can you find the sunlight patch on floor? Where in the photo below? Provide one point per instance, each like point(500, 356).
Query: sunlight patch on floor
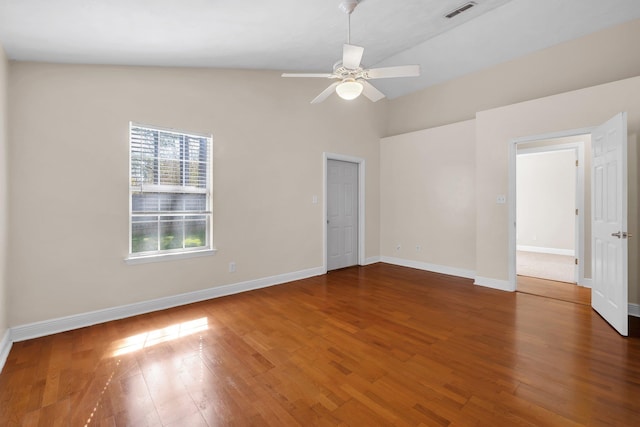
point(158, 336)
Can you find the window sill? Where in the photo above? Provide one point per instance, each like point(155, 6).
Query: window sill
point(168, 257)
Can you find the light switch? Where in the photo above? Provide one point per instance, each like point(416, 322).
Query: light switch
point(314, 200)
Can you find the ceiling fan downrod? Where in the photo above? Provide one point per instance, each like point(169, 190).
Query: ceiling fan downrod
point(347, 7)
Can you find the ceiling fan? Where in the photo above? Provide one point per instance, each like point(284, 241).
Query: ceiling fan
point(350, 75)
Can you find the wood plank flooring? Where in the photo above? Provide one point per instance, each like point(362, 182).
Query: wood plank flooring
point(364, 346)
point(569, 292)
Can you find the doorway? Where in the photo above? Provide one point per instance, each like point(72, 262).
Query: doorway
point(551, 243)
point(608, 231)
point(549, 203)
point(344, 211)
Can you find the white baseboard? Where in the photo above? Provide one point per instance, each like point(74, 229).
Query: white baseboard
point(5, 348)
point(53, 326)
point(542, 250)
point(586, 283)
point(371, 260)
point(442, 269)
point(634, 310)
point(487, 282)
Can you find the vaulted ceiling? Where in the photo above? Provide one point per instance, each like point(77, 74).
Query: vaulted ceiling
point(300, 35)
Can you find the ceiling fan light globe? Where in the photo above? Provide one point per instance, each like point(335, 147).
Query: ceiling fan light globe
point(349, 90)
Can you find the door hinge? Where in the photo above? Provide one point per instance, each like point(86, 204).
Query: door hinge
point(576, 163)
point(576, 261)
point(576, 211)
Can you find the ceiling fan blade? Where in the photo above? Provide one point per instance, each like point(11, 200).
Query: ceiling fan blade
point(370, 91)
point(399, 71)
point(325, 93)
point(351, 56)
point(324, 75)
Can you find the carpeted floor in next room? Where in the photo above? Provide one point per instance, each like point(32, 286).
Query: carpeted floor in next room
point(560, 268)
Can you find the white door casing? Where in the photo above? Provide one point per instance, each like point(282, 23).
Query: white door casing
point(342, 214)
point(609, 222)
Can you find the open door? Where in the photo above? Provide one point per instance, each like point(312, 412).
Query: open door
point(609, 222)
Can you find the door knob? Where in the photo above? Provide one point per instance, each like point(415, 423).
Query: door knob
point(622, 235)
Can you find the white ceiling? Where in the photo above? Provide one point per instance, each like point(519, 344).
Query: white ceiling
point(299, 35)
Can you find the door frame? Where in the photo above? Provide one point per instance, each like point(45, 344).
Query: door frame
point(361, 203)
point(513, 152)
point(577, 148)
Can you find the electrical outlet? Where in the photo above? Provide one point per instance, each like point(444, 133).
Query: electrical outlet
point(398, 247)
point(232, 267)
point(418, 248)
point(501, 199)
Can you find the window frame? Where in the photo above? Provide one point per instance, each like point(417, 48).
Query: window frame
point(175, 253)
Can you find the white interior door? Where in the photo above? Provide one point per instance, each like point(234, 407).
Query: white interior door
point(342, 214)
point(609, 222)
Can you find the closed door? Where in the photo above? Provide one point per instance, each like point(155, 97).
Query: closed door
point(342, 214)
point(609, 222)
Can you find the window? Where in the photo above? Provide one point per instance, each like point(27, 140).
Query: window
point(170, 191)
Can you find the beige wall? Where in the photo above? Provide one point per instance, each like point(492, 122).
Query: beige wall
point(69, 185)
point(520, 98)
point(68, 152)
point(427, 196)
point(4, 66)
point(418, 171)
point(546, 202)
point(595, 59)
point(573, 110)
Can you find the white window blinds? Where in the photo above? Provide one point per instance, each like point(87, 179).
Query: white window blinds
point(170, 195)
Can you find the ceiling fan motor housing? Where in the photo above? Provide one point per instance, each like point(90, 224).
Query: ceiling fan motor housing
point(347, 6)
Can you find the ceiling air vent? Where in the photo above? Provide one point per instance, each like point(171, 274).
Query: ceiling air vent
point(460, 9)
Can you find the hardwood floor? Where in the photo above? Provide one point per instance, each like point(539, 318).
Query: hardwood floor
point(569, 292)
point(364, 346)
